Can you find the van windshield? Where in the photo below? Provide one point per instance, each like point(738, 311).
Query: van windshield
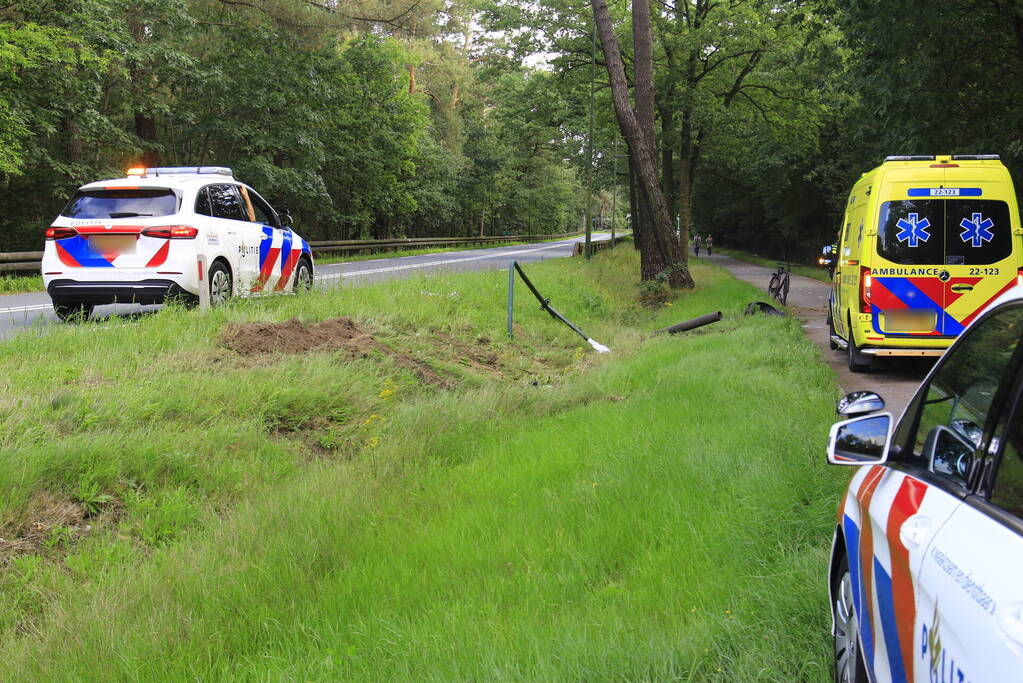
point(121, 203)
point(952, 232)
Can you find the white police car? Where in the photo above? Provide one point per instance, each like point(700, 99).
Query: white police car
point(139, 240)
point(927, 559)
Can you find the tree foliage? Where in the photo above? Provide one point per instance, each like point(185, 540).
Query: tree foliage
point(370, 119)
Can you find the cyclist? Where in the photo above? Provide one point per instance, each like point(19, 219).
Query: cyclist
point(696, 245)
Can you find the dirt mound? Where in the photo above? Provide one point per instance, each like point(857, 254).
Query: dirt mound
point(336, 334)
point(295, 336)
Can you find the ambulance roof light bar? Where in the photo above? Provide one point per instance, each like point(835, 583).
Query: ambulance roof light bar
point(911, 157)
point(181, 170)
point(977, 157)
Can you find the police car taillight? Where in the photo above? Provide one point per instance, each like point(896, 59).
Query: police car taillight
point(55, 233)
point(865, 289)
point(171, 232)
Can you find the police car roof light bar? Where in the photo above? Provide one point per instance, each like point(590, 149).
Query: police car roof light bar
point(977, 157)
point(181, 170)
point(911, 157)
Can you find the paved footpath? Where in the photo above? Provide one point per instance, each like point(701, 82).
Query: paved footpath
point(895, 379)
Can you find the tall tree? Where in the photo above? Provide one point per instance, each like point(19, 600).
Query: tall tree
point(637, 129)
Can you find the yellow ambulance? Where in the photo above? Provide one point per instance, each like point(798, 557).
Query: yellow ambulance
point(927, 242)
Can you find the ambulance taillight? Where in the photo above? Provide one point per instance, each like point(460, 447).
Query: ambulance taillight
point(1019, 277)
point(865, 289)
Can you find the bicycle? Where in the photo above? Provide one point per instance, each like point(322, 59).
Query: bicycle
point(779, 286)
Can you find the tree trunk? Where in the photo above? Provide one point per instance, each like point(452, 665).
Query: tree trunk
point(145, 129)
point(640, 140)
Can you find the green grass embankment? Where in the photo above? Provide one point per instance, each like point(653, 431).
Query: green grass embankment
point(663, 511)
point(19, 284)
point(799, 269)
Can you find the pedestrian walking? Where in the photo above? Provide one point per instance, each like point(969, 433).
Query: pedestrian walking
point(696, 245)
point(710, 243)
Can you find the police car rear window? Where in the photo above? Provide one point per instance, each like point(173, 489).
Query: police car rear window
point(121, 203)
point(953, 232)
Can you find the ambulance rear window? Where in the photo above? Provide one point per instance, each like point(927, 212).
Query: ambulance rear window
point(126, 203)
point(954, 232)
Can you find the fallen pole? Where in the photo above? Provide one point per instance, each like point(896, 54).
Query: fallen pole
point(545, 304)
point(692, 324)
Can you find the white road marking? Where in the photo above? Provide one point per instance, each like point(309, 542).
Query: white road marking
point(410, 266)
point(26, 309)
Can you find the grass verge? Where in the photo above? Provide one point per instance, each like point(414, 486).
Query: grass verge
point(799, 269)
point(185, 510)
point(19, 284)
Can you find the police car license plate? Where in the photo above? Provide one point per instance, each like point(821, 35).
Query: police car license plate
point(113, 244)
point(909, 320)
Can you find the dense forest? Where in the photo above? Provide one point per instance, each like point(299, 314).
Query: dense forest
point(382, 118)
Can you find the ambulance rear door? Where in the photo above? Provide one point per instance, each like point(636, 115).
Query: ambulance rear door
point(980, 263)
point(907, 293)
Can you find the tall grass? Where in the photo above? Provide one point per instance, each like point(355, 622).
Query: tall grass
point(18, 284)
point(662, 512)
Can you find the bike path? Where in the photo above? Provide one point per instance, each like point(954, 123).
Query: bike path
point(895, 379)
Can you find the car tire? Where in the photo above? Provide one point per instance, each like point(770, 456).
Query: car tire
point(858, 361)
point(220, 283)
point(303, 275)
point(73, 312)
point(849, 666)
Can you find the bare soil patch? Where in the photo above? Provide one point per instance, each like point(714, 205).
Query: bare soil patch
point(44, 513)
point(337, 334)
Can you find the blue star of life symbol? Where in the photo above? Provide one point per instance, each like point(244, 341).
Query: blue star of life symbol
point(977, 231)
point(914, 229)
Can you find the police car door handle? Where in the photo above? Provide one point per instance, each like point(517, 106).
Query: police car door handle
point(1010, 621)
point(915, 530)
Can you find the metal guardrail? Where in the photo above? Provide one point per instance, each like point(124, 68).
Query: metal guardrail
point(596, 246)
point(29, 260)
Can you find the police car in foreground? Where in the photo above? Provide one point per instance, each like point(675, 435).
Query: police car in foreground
point(139, 239)
point(927, 562)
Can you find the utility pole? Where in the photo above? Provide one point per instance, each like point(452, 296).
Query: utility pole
point(589, 147)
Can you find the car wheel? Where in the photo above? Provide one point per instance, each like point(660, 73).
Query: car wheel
point(848, 661)
point(74, 311)
point(858, 361)
point(303, 276)
point(220, 283)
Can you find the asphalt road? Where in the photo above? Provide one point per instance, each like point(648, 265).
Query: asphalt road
point(19, 311)
point(895, 379)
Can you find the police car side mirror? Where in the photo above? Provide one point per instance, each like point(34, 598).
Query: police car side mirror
point(285, 217)
point(861, 441)
point(859, 403)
